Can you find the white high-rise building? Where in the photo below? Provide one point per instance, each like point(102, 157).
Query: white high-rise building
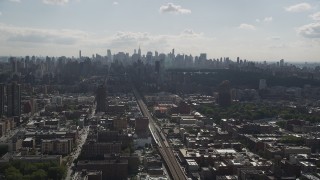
point(262, 84)
point(281, 62)
point(139, 51)
point(109, 55)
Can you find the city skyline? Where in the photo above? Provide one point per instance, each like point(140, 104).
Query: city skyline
point(258, 31)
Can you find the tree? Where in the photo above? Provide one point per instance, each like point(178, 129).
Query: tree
point(126, 150)
point(56, 173)
point(13, 173)
point(46, 165)
point(292, 140)
point(281, 124)
point(75, 161)
point(27, 177)
point(20, 165)
point(29, 169)
point(39, 175)
point(170, 131)
point(19, 170)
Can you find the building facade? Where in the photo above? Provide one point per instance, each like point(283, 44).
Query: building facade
point(13, 99)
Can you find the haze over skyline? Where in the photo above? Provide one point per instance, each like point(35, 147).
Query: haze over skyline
point(255, 30)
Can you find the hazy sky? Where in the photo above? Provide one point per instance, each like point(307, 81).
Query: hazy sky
point(252, 29)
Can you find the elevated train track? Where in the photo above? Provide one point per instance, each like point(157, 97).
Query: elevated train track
point(167, 154)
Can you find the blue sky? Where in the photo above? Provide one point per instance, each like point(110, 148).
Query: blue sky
point(253, 29)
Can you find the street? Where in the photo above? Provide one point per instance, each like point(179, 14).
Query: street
point(74, 155)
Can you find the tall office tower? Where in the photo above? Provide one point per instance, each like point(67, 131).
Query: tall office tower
point(262, 84)
point(224, 90)
point(80, 54)
point(27, 60)
point(203, 56)
point(139, 51)
point(101, 95)
point(162, 58)
point(13, 100)
point(157, 67)
point(14, 64)
point(2, 99)
point(156, 54)
point(281, 62)
point(109, 55)
point(149, 57)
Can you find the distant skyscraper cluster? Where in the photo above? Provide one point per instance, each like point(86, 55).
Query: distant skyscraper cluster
point(170, 60)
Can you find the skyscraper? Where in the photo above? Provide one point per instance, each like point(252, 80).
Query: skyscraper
point(262, 84)
point(2, 99)
point(149, 57)
point(109, 55)
point(101, 95)
point(13, 100)
point(157, 67)
point(281, 62)
point(139, 51)
point(203, 56)
point(156, 54)
point(224, 98)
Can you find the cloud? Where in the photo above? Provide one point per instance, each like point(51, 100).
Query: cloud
point(115, 3)
point(298, 7)
point(190, 32)
point(310, 30)
point(51, 39)
point(316, 16)
point(247, 26)
point(131, 36)
point(278, 46)
point(123, 39)
point(132, 39)
point(26, 40)
point(176, 9)
point(187, 41)
point(274, 38)
point(18, 37)
point(268, 19)
point(21, 41)
point(55, 2)
point(15, 1)
point(44, 36)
